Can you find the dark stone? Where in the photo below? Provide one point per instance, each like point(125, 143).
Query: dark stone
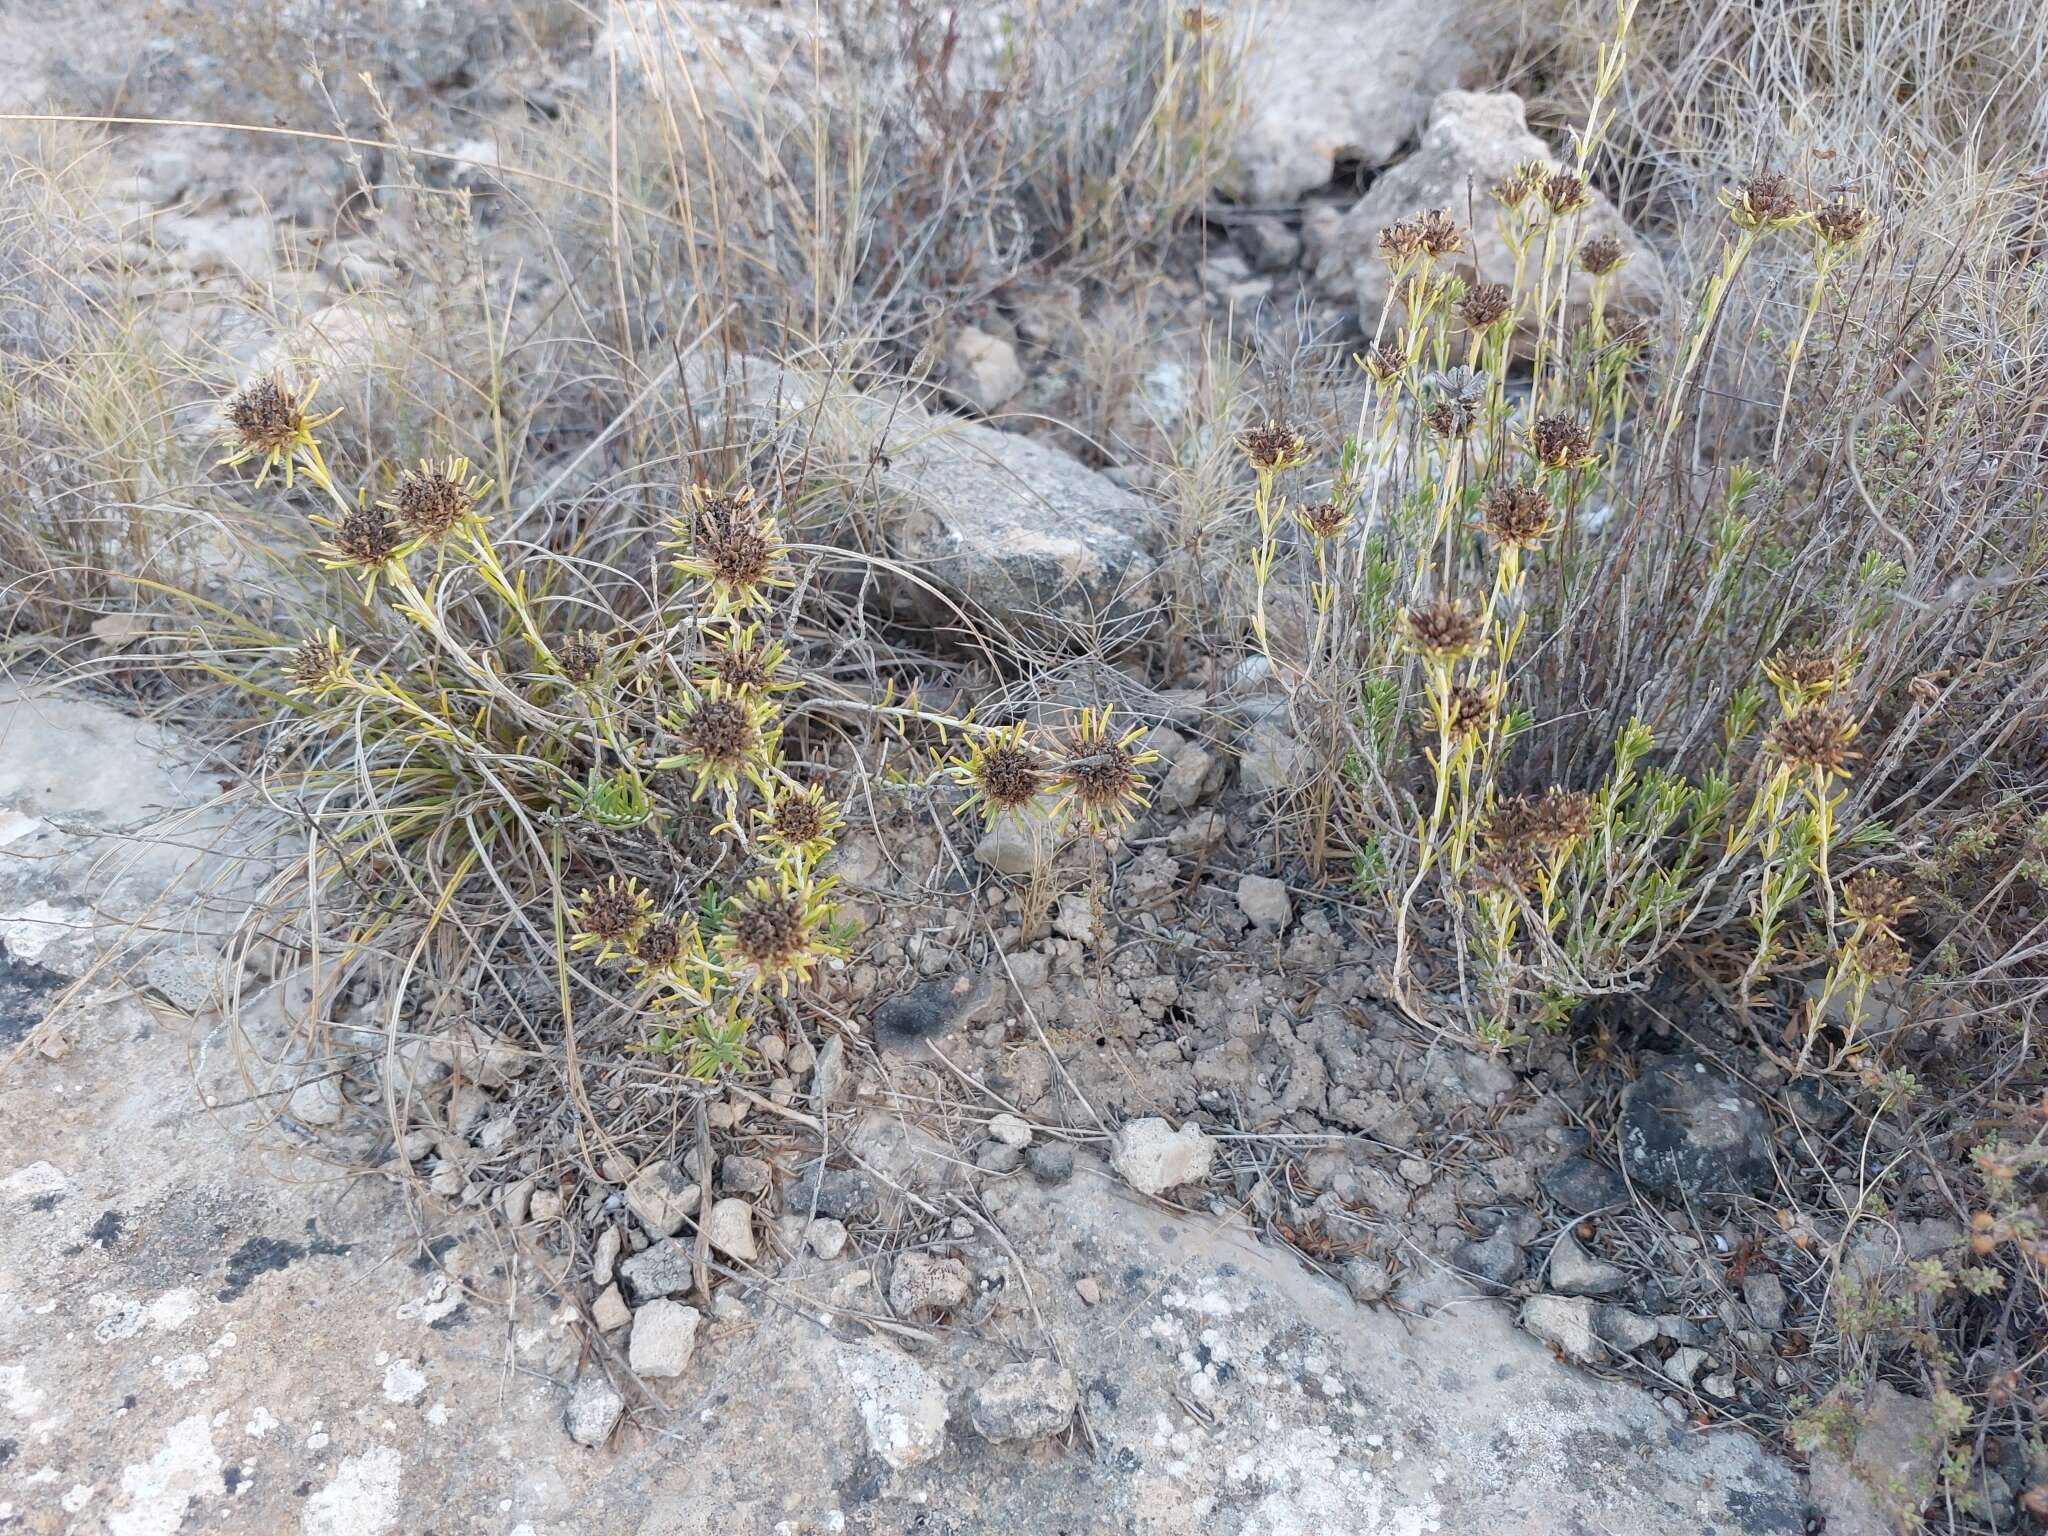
point(739, 1174)
point(25, 992)
point(1583, 1186)
point(844, 1194)
point(1692, 1132)
point(1490, 1263)
point(1051, 1162)
point(662, 1269)
point(930, 1011)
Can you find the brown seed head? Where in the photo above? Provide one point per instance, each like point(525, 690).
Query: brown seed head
point(1400, 243)
point(1874, 897)
point(1815, 737)
point(1009, 776)
point(1561, 441)
point(1323, 519)
point(660, 943)
point(1485, 305)
point(579, 657)
point(1470, 711)
point(720, 733)
point(1439, 234)
point(1565, 193)
point(1103, 775)
point(769, 929)
point(267, 417)
point(1882, 955)
point(1273, 447)
point(1601, 255)
point(1443, 630)
point(741, 669)
point(1804, 669)
point(366, 537)
point(1451, 417)
point(1385, 361)
point(430, 501)
point(1560, 816)
point(1843, 223)
point(1515, 516)
point(1514, 189)
point(612, 911)
point(1767, 200)
point(318, 663)
point(799, 818)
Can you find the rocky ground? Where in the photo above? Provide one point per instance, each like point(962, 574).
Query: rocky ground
point(1120, 1202)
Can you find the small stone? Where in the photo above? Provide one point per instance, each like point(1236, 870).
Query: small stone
point(1074, 918)
point(1577, 1273)
point(1891, 1464)
point(1491, 1263)
point(1565, 1323)
point(663, 1198)
point(921, 1285)
point(1026, 1401)
point(844, 1194)
point(663, 1270)
point(1693, 1132)
point(1051, 1162)
point(1152, 1157)
point(983, 369)
point(829, 1078)
point(1011, 1131)
point(1019, 845)
point(1368, 1280)
point(545, 1206)
point(610, 1311)
point(1721, 1385)
point(827, 1237)
point(604, 1254)
point(1186, 778)
point(1089, 1289)
point(1265, 902)
point(319, 1102)
point(931, 1011)
point(902, 1406)
point(1765, 1295)
point(1415, 1171)
point(1683, 1364)
point(1625, 1330)
point(1271, 762)
point(517, 1202)
point(998, 1157)
point(730, 1230)
point(743, 1175)
point(1584, 1187)
point(664, 1339)
point(594, 1410)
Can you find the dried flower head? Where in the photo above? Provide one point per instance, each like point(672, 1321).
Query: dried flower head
point(1601, 255)
point(1549, 823)
point(609, 917)
point(659, 944)
point(1816, 738)
point(1323, 520)
point(779, 930)
point(1565, 193)
point(1439, 234)
point(1516, 516)
point(742, 665)
point(1631, 336)
point(1272, 447)
point(1486, 305)
point(1561, 441)
point(1468, 710)
point(319, 665)
point(579, 657)
point(733, 549)
point(271, 422)
point(363, 540)
point(434, 500)
point(1766, 201)
point(1802, 672)
point(1842, 224)
point(1520, 184)
point(1881, 955)
point(1443, 630)
point(724, 738)
point(1874, 897)
point(1099, 777)
point(1450, 417)
point(799, 823)
point(1385, 361)
point(1003, 773)
point(1400, 244)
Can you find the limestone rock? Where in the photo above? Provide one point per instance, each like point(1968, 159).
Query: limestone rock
point(1577, 1273)
point(1265, 902)
point(1025, 1401)
point(902, 1405)
point(594, 1410)
point(1343, 80)
point(1152, 1157)
point(1887, 1474)
point(983, 370)
point(1474, 139)
point(664, 1339)
point(922, 1286)
point(1566, 1323)
point(730, 1230)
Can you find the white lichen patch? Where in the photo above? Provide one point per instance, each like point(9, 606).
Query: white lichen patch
point(362, 1500)
point(156, 1494)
